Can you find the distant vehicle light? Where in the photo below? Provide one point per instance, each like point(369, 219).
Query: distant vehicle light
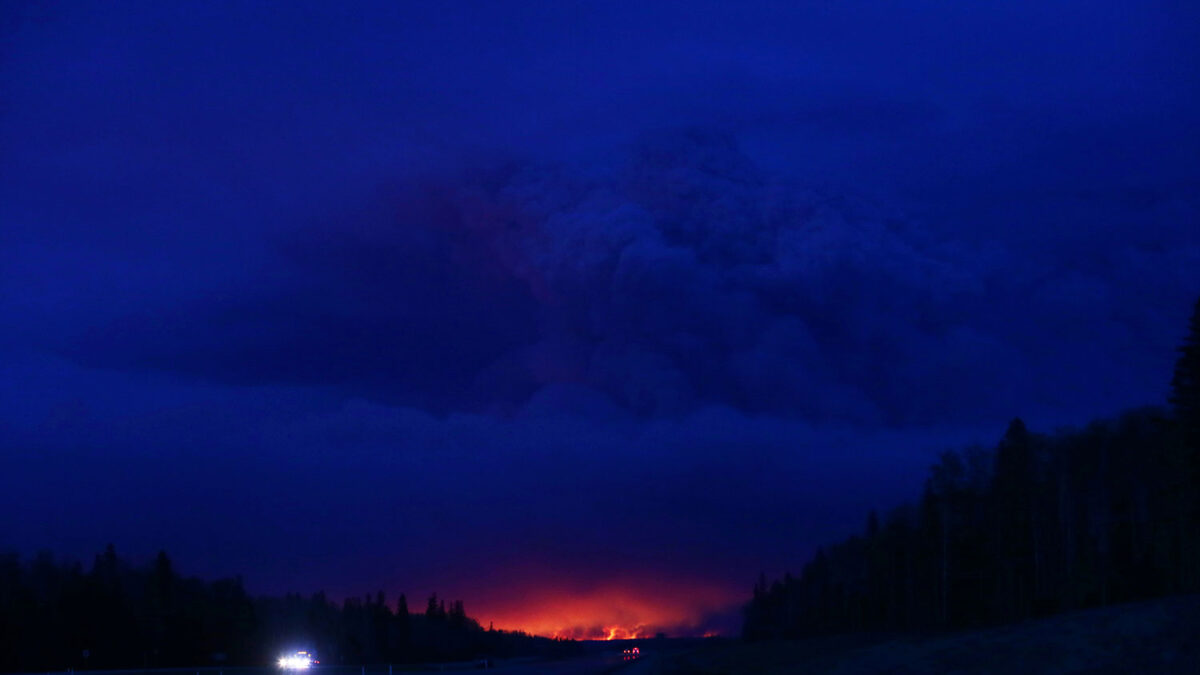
point(297, 661)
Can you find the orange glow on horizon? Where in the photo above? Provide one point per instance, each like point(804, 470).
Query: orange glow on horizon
point(610, 633)
point(618, 611)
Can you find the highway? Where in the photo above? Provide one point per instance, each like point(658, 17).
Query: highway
point(587, 664)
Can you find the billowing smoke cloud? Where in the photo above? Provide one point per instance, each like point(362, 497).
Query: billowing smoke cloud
point(685, 277)
point(548, 523)
point(624, 386)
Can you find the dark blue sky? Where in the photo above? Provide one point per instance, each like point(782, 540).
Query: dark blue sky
point(624, 303)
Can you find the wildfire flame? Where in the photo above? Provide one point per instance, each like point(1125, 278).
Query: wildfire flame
point(611, 632)
point(622, 633)
point(611, 612)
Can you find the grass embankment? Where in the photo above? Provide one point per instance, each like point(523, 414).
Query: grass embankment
point(1160, 636)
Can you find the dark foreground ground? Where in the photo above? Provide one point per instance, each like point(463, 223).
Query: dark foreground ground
point(1161, 636)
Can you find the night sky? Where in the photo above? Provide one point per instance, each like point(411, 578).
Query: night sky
point(585, 313)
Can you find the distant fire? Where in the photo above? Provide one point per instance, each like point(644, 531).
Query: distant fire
point(608, 633)
point(619, 633)
point(623, 611)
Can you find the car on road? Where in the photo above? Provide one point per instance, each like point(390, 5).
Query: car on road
point(300, 660)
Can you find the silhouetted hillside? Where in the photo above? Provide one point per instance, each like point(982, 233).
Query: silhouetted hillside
point(55, 615)
point(1156, 636)
point(1039, 524)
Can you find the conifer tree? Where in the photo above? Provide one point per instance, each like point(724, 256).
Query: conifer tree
point(1185, 384)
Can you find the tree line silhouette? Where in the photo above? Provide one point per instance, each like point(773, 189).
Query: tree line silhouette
point(1037, 525)
point(57, 615)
